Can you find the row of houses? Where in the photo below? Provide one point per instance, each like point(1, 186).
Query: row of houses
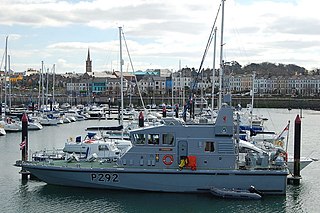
point(164, 82)
point(167, 83)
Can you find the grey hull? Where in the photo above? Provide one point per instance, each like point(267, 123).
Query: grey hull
point(170, 180)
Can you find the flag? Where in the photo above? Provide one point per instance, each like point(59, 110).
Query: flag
point(284, 133)
point(23, 144)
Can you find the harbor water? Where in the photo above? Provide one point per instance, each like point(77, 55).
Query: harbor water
point(35, 196)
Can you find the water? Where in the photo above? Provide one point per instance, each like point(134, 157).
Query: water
point(35, 196)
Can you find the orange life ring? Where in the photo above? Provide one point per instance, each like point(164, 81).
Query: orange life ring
point(165, 160)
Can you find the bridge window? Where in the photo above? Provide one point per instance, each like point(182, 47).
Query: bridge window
point(153, 138)
point(167, 139)
point(209, 146)
point(139, 138)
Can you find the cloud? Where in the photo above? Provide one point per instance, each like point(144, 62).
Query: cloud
point(160, 32)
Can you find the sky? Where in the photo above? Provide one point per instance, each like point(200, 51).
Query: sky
point(166, 34)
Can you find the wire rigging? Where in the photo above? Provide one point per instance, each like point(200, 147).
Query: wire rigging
point(207, 47)
point(125, 43)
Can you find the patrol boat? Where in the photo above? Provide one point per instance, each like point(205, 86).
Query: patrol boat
point(175, 157)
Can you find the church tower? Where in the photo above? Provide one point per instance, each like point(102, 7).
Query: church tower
point(88, 63)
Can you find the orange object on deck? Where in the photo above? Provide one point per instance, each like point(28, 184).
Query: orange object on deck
point(192, 162)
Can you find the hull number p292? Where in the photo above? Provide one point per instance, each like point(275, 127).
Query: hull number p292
point(104, 177)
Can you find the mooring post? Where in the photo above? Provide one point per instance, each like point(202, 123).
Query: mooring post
point(297, 149)
point(24, 144)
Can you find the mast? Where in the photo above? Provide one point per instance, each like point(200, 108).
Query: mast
point(252, 97)
point(5, 75)
point(221, 56)
point(213, 71)
point(179, 100)
point(121, 75)
point(53, 82)
point(183, 85)
point(42, 85)
point(39, 88)
point(172, 102)
point(9, 83)
point(47, 87)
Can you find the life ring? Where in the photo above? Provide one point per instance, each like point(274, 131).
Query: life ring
point(166, 161)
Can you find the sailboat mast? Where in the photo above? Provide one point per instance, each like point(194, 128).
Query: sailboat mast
point(47, 86)
point(5, 75)
point(39, 88)
point(252, 97)
point(42, 85)
point(172, 102)
point(121, 75)
point(53, 82)
point(221, 56)
point(183, 85)
point(9, 83)
point(213, 71)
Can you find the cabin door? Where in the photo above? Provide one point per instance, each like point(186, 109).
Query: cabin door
point(182, 149)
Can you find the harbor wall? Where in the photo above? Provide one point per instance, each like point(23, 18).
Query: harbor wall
point(259, 102)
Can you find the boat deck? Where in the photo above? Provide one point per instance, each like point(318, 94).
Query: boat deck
point(107, 164)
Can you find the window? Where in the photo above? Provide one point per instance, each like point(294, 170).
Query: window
point(153, 139)
point(209, 146)
point(103, 147)
point(167, 139)
point(139, 138)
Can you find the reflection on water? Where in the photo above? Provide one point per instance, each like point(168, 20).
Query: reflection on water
point(50, 198)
